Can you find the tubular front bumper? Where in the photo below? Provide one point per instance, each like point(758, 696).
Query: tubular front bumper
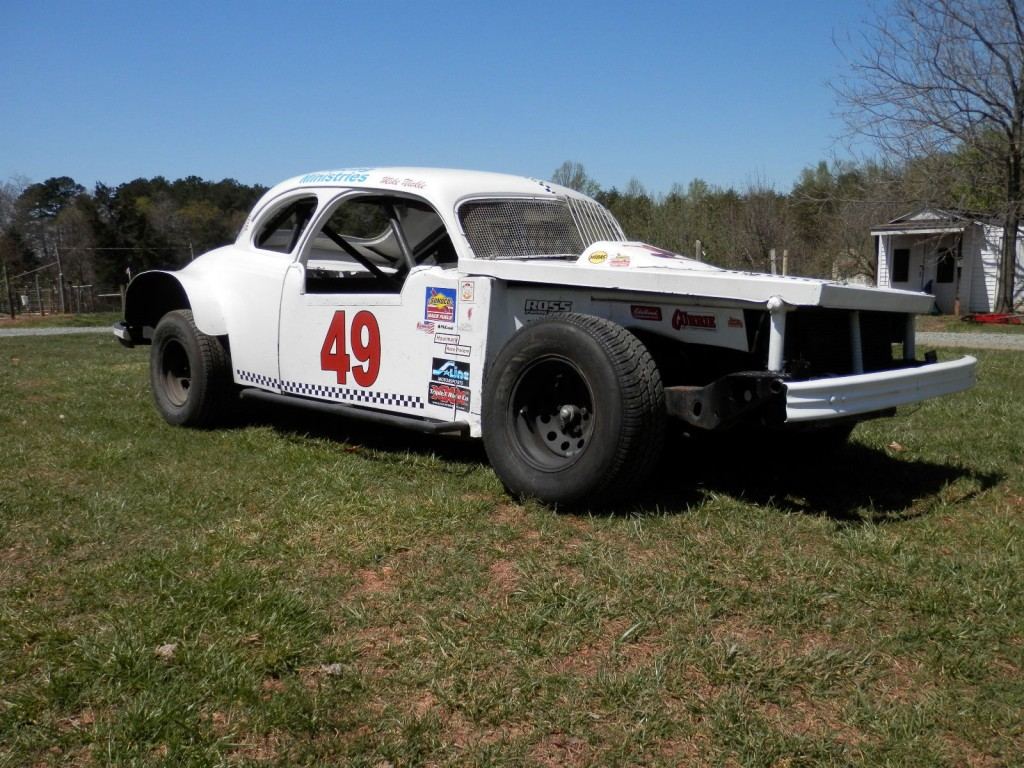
point(130, 335)
point(819, 399)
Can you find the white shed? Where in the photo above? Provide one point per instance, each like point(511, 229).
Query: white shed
point(953, 255)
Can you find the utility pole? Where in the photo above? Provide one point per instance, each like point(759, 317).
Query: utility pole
point(698, 251)
point(785, 261)
point(771, 258)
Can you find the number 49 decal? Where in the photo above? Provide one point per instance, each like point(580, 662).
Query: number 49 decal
point(364, 340)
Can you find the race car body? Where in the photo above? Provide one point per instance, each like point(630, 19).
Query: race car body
point(514, 310)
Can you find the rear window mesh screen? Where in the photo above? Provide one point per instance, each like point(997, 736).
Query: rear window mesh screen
point(516, 229)
point(594, 221)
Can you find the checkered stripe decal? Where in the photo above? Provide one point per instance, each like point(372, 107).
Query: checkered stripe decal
point(258, 379)
point(333, 393)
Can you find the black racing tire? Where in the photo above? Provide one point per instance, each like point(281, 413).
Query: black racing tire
point(190, 373)
point(573, 412)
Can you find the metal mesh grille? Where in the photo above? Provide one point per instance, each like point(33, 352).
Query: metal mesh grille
point(594, 221)
point(511, 229)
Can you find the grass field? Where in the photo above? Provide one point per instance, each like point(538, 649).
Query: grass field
point(953, 324)
point(293, 591)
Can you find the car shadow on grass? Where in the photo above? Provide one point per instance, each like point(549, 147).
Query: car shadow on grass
point(851, 483)
point(358, 434)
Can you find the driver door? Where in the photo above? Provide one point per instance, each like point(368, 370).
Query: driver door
point(348, 334)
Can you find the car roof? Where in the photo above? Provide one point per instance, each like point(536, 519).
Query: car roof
point(442, 187)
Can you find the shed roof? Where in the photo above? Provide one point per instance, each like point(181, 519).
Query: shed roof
point(929, 220)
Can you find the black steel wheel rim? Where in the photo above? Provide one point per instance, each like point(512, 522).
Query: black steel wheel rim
point(175, 372)
point(551, 413)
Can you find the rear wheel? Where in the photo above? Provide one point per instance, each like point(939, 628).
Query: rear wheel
point(189, 372)
point(573, 411)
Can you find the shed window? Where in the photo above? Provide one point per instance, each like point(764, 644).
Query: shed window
point(901, 265)
point(945, 268)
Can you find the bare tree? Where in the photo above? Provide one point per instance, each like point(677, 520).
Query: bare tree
point(574, 176)
point(947, 76)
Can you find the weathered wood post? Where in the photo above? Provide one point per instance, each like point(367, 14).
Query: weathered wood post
point(10, 295)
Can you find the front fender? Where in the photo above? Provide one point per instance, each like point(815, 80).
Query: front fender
point(151, 295)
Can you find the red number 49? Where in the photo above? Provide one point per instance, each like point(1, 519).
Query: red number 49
point(364, 341)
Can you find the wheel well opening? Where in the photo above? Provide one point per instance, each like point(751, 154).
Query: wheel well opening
point(151, 296)
point(682, 364)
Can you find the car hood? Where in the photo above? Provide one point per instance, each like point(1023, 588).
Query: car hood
point(633, 266)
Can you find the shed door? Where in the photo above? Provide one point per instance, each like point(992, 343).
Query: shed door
point(944, 288)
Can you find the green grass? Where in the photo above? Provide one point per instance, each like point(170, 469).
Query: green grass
point(344, 595)
point(953, 324)
point(90, 320)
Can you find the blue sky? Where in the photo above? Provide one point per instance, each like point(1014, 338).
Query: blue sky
point(727, 91)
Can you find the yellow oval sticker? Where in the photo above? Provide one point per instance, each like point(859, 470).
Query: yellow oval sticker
point(598, 257)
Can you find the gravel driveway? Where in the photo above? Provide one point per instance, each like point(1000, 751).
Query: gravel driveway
point(51, 331)
point(971, 340)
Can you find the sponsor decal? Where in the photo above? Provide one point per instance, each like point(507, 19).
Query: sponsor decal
point(349, 174)
point(440, 305)
point(683, 319)
point(458, 349)
point(661, 253)
point(446, 338)
point(598, 257)
point(544, 306)
point(425, 326)
point(467, 291)
point(450, 372)
point(395, 181)
point(735, 322)
point(645, 312)
point(619, 260)
point(448, 396)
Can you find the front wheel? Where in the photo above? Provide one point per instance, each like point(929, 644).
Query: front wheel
point(573, 411)
point(189, 372)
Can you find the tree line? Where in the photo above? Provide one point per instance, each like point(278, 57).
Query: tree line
point(103, 235)
point(822, 222)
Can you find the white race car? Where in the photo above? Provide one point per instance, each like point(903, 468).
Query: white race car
point(514, 310)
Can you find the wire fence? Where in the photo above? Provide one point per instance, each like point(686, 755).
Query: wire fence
point(42, 291)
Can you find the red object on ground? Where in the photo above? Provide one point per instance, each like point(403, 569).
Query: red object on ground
point(995, 318)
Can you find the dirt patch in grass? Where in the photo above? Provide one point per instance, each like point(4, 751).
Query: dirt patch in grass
point(504, 577)
point(458, 730)
point(271, 686)
point(16, 564)
point(376, 641)
point(902, 682)
point(256, 748)
point(375, 581)
point(560, 749)
point(688, 750)
point(739, 630)
point(815, 719)
point(611, 650)
point(80, 721)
